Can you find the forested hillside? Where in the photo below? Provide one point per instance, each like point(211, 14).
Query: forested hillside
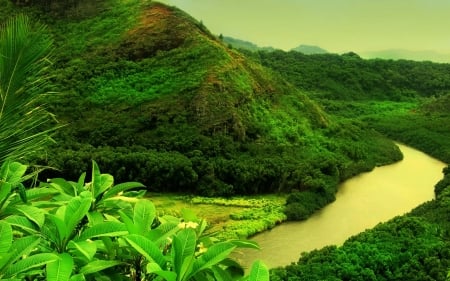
point(409, 102)
point(406, 100)
point(153, 96)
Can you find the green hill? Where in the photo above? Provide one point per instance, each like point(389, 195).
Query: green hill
point(153, 96)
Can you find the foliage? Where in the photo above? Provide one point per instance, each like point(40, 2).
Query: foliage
point(177, 110)
point(24, 51)
point(415, 246)
point(348, 77)
point(98, 230)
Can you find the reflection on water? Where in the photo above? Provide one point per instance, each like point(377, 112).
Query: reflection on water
point(361, 203)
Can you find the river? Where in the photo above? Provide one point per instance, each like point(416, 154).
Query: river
point(361, 203)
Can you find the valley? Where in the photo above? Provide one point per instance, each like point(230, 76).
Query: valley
point(245, 139)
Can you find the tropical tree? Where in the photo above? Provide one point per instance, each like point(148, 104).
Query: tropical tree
point(24, 53)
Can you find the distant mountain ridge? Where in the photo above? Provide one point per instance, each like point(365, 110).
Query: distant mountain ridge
point(395, 54)
point(309, 49)
point(246, 45)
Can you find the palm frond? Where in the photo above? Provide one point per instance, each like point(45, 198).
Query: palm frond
point(24, 52)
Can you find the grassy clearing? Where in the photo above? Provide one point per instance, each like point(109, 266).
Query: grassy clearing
point(228, 218)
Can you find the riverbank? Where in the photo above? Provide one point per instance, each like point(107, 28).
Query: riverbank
point(361, 203)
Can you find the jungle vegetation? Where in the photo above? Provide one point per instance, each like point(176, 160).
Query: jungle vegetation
point(153, 97)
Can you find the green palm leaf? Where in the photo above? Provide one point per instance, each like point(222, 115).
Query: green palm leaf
point(24, 54)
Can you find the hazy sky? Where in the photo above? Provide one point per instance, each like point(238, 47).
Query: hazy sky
point(336, 25)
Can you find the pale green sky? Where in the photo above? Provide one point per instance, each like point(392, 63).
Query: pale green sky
point(336, 25)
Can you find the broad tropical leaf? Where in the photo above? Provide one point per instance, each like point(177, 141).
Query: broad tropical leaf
point(19, 248)
point(12, 172)
point(76, 210)
point(143, 215)
point(259, 272)
point(86, 249)
point(183, 250)
point(64, 186)
point(147, 248)
point(108, 229)
point(31, 262)
point(55, 229)
point(6, 237)
point(77, 277)
point(221, 274)
point(60, 269)
point(214, 255)
point(100, 182)
point(39, 193)
point(34, 214)
point(98, 265)
point(121, 187)
point(22, 223)
point(245, 244)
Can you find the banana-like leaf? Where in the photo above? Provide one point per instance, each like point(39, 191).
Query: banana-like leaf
point(245, 244)
point(121, 187)
point(21, 222)
point(183, 250)
point(100, 182)
point(64, 186)
point(77, 277)
point(19, 248)
point(5, 192)
point(86, 249)
point(31, 262)
point(147, 248)
point(34, 214)
point(40, 193)
point(6, 237)
point(58, 231)
point(131, 227)
point(60, 269)
point(98, 265)
point(80, 185)
point(259, 272)
point(12, 172)
point(164, 231)
point(76, 210)
point(166, 275)
point(143, 215)
point(108, 229)
point(214, 255)
point(221, 274)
